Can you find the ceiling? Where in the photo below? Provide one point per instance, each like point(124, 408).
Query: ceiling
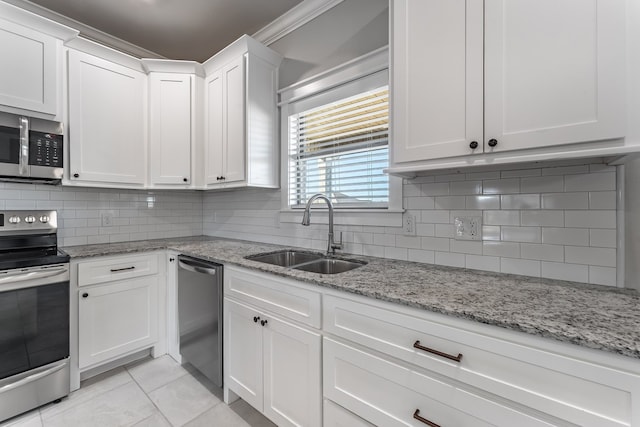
point(176, 29)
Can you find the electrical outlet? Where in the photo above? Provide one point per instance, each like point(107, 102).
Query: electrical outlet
point(409, 225)
point(107, 219)
point(468, 228)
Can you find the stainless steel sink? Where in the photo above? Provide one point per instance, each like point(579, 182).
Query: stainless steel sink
point(307, 261)
point(329, 266)
point(286, 258)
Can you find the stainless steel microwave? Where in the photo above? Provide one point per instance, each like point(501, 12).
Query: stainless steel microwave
point(30, 149)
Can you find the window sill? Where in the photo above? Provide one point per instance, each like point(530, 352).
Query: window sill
point(370, 217)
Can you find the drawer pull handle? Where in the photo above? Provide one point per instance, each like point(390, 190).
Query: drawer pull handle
point(438, 353)
point(417, 416)
point(115, 270)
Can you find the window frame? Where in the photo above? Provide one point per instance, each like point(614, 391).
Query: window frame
point(359, 68)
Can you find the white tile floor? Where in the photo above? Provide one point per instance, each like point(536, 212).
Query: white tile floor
point(148, 393)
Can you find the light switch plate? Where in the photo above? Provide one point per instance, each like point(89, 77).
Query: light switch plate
point(467, 228)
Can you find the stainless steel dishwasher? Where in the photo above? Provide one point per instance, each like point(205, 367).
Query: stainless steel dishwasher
point(200, 316)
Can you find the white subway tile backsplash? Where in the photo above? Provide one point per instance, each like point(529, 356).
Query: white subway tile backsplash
point(602, 276)
point(542, 252)
point(450, 259)
point(548, 218)
point(478, 262)
point(417, 255)
point(491, 232)
point(565, 236)
point(464, 188)
point(450, 202)
point(466, 246)
point(605, 181)
point(602, 200)
point(479, 176)
point(501, 249)
point(603, 238)
point(436, 189)
point(501, 217)
point(590, 219)
point(435, 244)
point(396, 253)
point(501, 186)
point(435, 217)
point(542, 184)
point(523, 267)
point(483, 202)
point(562, 271)
point(450, 177)
point(565, 170)
point(565, 201)
point(520, 173)
point(411, 242)
point(603, 257)
point(420, 203)
point(384, 239)
point(444, 230)
point(521, 234)
point(520, 201)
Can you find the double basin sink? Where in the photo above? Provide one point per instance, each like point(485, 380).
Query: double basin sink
point(307, 261)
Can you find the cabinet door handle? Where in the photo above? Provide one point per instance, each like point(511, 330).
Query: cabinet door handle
point(185, 179)
point(115, 270)
point(263, 322)
point(416, 415)
point(76, 175)
point(473, 145)
point(457, 358)
point(255, 319)
point(84, 295)
point(493, 142)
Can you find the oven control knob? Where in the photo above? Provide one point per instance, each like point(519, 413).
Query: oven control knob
point(30, 219)
point(14, 219)
point(44, 219)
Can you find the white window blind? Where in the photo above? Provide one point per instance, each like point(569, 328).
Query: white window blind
point(341, 149)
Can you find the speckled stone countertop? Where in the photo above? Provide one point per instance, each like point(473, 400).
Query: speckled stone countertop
point(597, 317)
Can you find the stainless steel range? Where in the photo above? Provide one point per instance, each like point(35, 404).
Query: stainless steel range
point(34, 312)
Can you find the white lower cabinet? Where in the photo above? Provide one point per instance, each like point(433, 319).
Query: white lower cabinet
point(116, 319)
point(118, 305)
point(273, 363)
point(385, 361)
point(336, 416)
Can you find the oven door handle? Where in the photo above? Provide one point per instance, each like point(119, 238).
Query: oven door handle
point(31, 275)
point(33, 377)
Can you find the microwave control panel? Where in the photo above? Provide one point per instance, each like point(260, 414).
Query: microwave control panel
point(45, 149)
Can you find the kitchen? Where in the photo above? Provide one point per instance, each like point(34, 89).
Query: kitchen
point(556, 215)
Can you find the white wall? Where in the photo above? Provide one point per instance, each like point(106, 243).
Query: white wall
point(348, 30)
point(138, 215)
point(544, 221)
point(632, 225)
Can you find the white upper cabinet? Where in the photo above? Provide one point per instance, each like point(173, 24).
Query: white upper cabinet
point(170, 128)
point(107, 122)
point(241, 145)
point(554, 72)
point(472, 77)
point(31, 71)
point(174, 98)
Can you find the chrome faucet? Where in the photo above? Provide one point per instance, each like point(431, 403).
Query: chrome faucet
point(306, 220)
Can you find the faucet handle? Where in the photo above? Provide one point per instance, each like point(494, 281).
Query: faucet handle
point(337, 245)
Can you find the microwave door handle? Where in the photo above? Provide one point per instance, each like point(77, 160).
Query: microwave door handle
point(23, 167)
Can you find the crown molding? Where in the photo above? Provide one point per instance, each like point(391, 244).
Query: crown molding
point(86, 31)
point(293, 19)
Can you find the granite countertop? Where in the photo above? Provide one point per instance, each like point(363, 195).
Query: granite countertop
point(598, 317)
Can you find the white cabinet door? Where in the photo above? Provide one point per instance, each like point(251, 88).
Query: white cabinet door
point(234, 120)
point(214, 133)
point(115, 319)
point(436, 78)
point(226, 134)
point(243, 353)
point(170, 128)
point(29, 73)
point(106, 121)
point(554, 72)
point(292, 379)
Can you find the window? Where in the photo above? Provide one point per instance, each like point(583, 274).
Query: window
point(340, 148)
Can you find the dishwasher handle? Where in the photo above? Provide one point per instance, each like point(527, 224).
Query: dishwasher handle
point(196, 267)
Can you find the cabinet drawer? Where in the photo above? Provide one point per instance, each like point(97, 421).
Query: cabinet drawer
point(117, 268)
point(277, 295)
point(388, 394)
point(564, 387)
point(336, 416)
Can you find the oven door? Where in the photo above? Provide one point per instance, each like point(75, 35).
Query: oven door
point(34, 314)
